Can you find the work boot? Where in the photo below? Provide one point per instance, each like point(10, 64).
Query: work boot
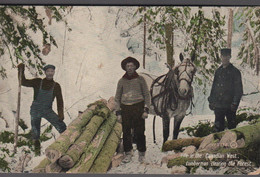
point(128, 157)
point(141, 157)
point(37, 147)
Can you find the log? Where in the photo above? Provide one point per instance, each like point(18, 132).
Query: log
point(91, 152)
point(74, 152)
point(53, 168)
point(246, 136)
point(101, 108)
point(73, 131)
point(178, 144)
point(102, 162)
point(250, 136)
point(42, 166)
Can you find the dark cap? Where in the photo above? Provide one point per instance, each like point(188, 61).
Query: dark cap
point(48, 66)
point(128, 60)
point(225, 51)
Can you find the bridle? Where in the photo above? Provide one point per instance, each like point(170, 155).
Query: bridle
point(186, 64)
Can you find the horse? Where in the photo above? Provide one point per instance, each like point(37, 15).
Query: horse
point(171, 94)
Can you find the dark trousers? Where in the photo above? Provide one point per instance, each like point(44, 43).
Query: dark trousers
point(220, 114)
point(132, 120)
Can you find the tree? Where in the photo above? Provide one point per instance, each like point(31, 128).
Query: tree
point(205, 38)
point(250, 23)
point(161, 22)
point(18, 23)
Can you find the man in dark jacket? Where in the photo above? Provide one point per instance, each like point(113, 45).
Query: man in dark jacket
point(45, 90)
point(133, 102)
point(226, 92)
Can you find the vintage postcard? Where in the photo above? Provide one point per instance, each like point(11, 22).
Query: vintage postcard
point(130, 89)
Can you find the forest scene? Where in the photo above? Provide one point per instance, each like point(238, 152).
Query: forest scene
point(87, 44)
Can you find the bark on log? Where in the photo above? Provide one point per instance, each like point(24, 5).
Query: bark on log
point(88, 157)
point(74, 152)
point(73, 131)
point(42, 166)
point(53, 168)
point(102, 162)
point(178, 144)
point(250, 134)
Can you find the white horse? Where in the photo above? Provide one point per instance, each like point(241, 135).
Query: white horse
point(172, 94)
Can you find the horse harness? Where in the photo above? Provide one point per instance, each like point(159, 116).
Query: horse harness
point(169, 90)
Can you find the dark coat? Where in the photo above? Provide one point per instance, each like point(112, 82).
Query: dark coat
point(227, 87)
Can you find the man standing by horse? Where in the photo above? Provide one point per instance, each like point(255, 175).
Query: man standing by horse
point(226, 92)
point(45, 90)
point(133, 102)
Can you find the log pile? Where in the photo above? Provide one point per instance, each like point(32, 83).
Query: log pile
point(234, 145)
point(88, 144)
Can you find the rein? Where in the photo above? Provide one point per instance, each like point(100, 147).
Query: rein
point(168, 95)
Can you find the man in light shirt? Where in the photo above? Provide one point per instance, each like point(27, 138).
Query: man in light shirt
point(133, 102)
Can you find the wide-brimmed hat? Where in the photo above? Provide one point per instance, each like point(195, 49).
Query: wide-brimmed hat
point(225, 51)
point(48, 66)
point(128, 60)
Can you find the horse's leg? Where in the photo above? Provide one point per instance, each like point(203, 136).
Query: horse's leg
point(166, 128)
point(177, 122)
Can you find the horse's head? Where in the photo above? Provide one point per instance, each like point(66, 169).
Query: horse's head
point(184, 74)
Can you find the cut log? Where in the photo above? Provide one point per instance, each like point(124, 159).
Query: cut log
point(206, 141)
point(246, 136)
point(88, 157)
point(73, 131)
point(53, 168)
point(42, 166)
point(74, 152)
point(102, 162)
point(180, 143)
point(242, 142)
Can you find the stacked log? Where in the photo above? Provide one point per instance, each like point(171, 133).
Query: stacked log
point(73, 131)
point(89, 140)
point(73, 154)
point(102, 162)
point(92, 151)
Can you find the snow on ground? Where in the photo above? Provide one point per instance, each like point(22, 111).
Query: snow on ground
point(154, 154)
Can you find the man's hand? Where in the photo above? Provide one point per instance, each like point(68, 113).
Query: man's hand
point(21, 67)
point(145, 115)
point(233, 107)
point(212, 106)
point(119, 116)
point(119, 119)
point(61, 118)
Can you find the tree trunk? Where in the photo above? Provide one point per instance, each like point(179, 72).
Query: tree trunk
point(42, 166)
point(230, 28)
point(90, 154)
point(102, 162)
point(18, 112)
point(178, 144)
point(144, 46)
point(169, 44)
point(75, 151)
point(68, 137)
point(256, 48)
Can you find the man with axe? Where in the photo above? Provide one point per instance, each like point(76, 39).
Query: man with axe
point(45, 90)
